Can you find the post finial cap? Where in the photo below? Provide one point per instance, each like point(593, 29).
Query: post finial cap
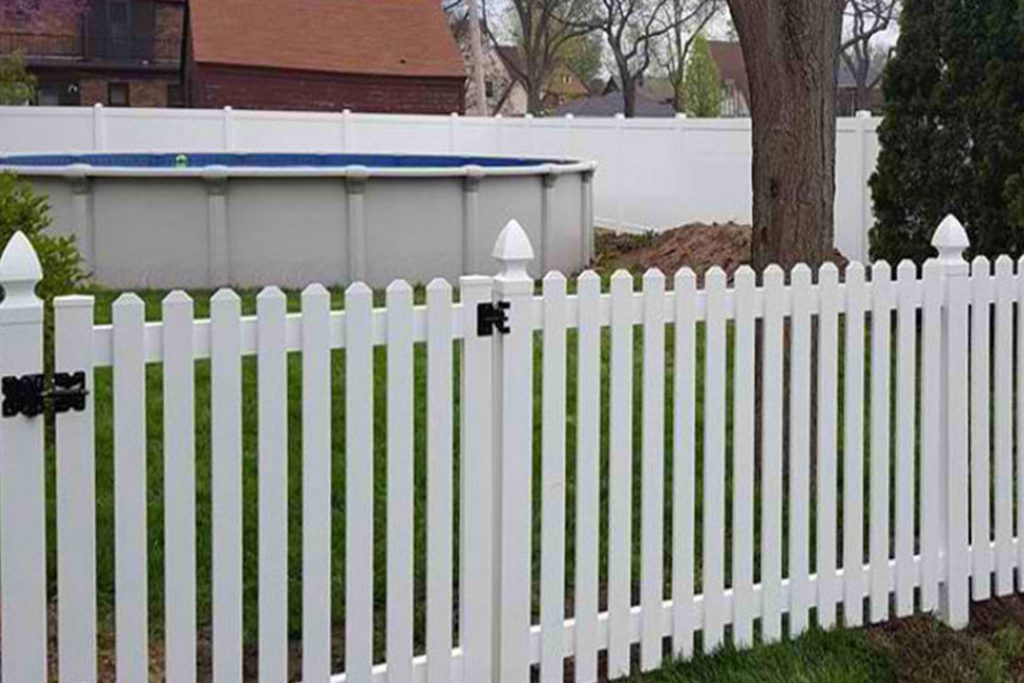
point(20, 270)
point(950, 239)
point(513, 250)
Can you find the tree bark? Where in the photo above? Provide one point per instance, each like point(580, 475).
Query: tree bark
point(790, 49)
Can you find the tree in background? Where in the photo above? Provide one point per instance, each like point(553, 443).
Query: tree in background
point(633, 30)
point(680, 41)
point(540, 28)
point(951, 139)
point(864, 21)
point(702, 85)
point(584, 55)
point(17, 85)
point(790, 48)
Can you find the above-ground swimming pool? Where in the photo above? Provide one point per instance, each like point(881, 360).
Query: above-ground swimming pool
point(206, 220)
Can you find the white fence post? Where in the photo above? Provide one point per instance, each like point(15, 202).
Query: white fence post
point(951, 240)
point(228, 128)
point(22, 499)
point(99, 128)
point(513, 435)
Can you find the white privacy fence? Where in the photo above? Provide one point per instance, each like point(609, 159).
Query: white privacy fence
point(902, 389)
point(652, 173)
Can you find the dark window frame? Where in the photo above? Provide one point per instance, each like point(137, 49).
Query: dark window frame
point(114, 85)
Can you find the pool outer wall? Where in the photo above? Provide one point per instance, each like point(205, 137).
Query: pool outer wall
point(163, 228)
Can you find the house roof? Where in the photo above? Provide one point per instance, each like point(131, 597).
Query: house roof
point(611, 103)
point(379, 37)
point(728, 57)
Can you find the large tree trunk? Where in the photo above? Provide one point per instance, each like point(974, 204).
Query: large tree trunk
point(790, 48)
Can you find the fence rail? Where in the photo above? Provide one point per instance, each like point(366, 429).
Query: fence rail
point(879, 391)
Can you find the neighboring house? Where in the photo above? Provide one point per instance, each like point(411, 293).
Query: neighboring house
point(736, 89)
point(505, 93)
point(611, 103)
point(118, 53)
point(563, 84)
point(732, 70)
point(393, 56)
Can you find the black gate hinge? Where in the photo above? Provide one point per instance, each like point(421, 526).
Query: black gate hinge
point(28, 394)
point(491, 316)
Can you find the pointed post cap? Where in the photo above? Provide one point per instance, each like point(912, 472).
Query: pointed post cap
point(20, 270)
point(513, 250)
point(950, 240)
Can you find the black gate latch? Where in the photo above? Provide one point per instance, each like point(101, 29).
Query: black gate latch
point(491, 316)
point(28, 394)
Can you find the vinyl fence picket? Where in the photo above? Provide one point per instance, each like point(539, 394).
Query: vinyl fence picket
point(400, 520)
point(588, 474)
point(620, 476)
point(931, 433)
point(1019, 418)
point(478, 574)
point(552, 552)
point(683, 463)
point(713, 552)
point(226, 456)
point(179, 487)
point(906, 383)
point(653, 470)
point(829, 590)
point(744, 607)
point(272, 377)
point(1003, 426)
point(359, 486)
point(881, 306)
point(771, 454)
point(439, 481)
point(316, 484)
point(800, 596)
point(131, 544)
point(853, 447)
point(76, 503)
point(980, 463)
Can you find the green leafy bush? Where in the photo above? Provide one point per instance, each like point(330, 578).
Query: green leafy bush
point(22, 209)
point(17, 85)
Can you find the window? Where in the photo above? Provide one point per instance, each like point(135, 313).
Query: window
point(489, 88)
point(117, 95)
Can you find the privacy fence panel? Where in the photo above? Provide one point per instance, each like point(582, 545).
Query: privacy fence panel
point(507, 479)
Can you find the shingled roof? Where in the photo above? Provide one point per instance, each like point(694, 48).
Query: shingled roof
point(378, 37)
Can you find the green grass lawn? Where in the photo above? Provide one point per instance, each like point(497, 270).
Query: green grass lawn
point(918, 649)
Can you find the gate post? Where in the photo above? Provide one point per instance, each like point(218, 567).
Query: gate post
point(22, 498)
point(512, 316)
point(950, 240)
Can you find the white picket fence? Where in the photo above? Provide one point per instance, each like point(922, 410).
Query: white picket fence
point(940, 549)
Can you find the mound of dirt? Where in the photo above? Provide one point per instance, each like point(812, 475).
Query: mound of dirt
point(698, 246)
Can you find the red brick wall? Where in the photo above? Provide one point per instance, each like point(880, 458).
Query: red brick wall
point(246, 88)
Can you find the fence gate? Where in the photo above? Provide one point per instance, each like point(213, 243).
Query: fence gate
point(429, 490)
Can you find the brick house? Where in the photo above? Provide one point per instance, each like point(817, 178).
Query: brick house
point(111, 52)
point(393, 56)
